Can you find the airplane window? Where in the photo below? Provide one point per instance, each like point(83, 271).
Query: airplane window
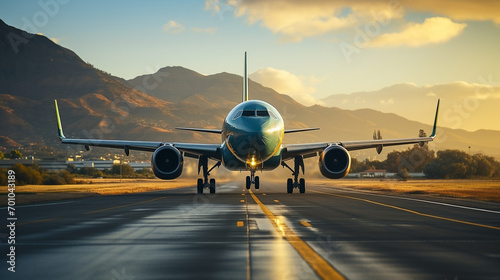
point(248, 113)
point(237, 115)
point(262, 113)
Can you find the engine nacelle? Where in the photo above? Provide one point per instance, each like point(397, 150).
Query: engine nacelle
point(334, 162)
point(167, 162)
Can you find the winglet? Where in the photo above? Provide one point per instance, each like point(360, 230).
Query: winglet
point(59, 126)
point(245, 81)
point(435, 121)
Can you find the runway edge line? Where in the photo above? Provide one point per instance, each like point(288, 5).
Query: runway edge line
point(411, 211)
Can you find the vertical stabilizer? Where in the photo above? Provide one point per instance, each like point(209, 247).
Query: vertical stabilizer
point(245, 81)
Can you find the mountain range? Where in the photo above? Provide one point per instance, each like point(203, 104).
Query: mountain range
point(93, 104)
point(463, 105)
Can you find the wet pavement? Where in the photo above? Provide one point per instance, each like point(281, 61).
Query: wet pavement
point(177, 234)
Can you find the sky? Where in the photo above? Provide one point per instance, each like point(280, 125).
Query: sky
point(307, 49)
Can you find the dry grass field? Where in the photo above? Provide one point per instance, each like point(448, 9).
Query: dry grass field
point(90, 187)
point(487, 190)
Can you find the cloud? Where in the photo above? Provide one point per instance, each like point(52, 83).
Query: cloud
point(295, 20)
point(431, 31)
point(286, 83)
point(210, 30)
point(480, 10)
point(55, 40)
point(173, 27)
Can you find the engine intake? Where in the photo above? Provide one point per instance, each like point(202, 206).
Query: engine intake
point(334, 162)
point(167, 162)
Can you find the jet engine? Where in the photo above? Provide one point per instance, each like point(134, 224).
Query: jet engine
point(167, 162)
point(334, 162)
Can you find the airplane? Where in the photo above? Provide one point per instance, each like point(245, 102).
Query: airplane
point(252, 140)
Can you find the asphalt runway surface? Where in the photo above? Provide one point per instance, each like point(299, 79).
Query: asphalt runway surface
point(328, 232)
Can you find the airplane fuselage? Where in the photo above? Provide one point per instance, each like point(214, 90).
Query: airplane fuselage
point(252, 136)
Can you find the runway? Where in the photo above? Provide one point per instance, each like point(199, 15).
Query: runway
point(328, 232)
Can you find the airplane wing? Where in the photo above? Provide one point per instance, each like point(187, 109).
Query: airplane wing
point(311, 149)
point(190, 149)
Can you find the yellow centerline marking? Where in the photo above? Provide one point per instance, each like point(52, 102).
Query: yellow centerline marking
point(322, 268)
point(126, 205)
point(410, 211)
point(276, 200)
point(242, 200)
point(240, 223)
point(305, 223)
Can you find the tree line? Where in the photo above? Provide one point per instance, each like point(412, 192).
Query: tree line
point(446, 164)
point(35, 175)
point(14, 154)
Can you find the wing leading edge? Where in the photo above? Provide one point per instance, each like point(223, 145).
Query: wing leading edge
point(311, 149)
point(190, 149)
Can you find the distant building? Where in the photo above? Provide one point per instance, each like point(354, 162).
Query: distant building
point(55, 165)
point(373, 173)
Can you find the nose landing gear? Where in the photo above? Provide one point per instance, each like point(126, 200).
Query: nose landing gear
point(252, 179)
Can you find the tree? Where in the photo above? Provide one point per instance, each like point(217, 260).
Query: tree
point(413, 159)
point(27, 175)
point(377, 135)
point(455, 164)
point(393, 160)
point(126, 170)
point(357, 166)
point(422, 133)
point(3, 177)
point(71, 168)
point(403, 174)
point(59, 178)
point(484, 166)
point(14, 154)
point(91, 172)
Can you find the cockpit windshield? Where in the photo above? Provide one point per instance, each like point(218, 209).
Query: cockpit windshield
point(262, 113)
point(248, 113)
point(254, 113)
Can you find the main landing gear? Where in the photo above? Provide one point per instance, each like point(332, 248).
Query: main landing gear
point(205, 183)
point(252, 179)
point(295, 182)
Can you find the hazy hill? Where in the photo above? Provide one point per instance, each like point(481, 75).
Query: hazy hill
point(34, 71)
point(98, 105)
point(465, 106)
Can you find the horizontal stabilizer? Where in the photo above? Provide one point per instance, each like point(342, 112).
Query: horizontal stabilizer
point(216, 131)
point(300, 130)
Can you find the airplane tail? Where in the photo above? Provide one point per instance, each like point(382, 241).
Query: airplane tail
point(245, 81)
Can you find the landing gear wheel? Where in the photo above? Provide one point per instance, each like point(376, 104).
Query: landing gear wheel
point(248, 183)
point(257, 182)
point(289, 185)
point(200, 186)
point(302, 185)
point(212, 185)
